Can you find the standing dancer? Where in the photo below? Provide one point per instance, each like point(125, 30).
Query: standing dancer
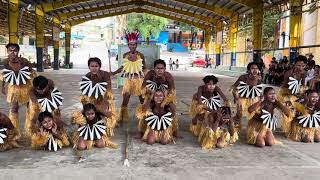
point(96, 87)
point(262, 120)
point(18, 74)
point(246, 91)
point(132, 70)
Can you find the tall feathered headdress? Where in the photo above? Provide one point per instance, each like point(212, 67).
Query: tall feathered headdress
point(132, 36)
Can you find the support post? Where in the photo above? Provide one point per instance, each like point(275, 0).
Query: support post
point(233, 39)
point(13, 15)
point(56, 40)
point(218, 43)
point(295, 28)
point(258, 13)
point(39, 37)
point(67, 43)
point(207, 39)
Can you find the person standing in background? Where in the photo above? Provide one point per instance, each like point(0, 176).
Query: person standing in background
point(170, 63)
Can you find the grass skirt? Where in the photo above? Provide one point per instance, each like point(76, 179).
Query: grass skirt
point(132, 86)
point(11, 140)
point(297, 132)
point(40, 142)
point(208, 138)
point(80, 120)
point(255, 127)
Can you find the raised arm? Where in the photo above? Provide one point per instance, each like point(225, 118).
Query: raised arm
point(283, 108)
point(254, 107)
point(286, 78)
point(120, 68)
point(117, 71)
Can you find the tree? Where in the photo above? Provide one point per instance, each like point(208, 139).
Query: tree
point(193, 31)
point(148, 25)
point(269, 28)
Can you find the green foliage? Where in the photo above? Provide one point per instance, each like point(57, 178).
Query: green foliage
point(147, 24)
point(186, 27)
point(269, 28)
point(269, 24)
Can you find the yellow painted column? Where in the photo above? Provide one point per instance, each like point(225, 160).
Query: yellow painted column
point(56, 40)
point(13, 15)
point(39, 37)
point(295, 27)
point(67, 43)
point(233, 39)
point(258, 13)
point(207, 39)
point(217, 45)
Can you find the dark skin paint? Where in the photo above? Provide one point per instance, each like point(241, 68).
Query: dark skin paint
point(269, 104)
point(159, 111)
point(82, 144)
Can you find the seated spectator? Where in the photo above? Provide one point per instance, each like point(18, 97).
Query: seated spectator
point(310, 71)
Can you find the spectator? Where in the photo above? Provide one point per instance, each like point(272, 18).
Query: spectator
point(170, 63)
point(310, 71)
point(310, 58)
point(177, 64)
point(173, 64)
point(209, 63)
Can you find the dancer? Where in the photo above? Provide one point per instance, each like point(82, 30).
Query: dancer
point(305, 126)
point(132, 71)
point(18, 75)
point(48, 133)
point(209, 98)
point(262, 121)
point(44, 96)
point(158, 79)
point(246, 91)
point(8, 134)
point(159, 120)
point(94, 129)
point(96, 89)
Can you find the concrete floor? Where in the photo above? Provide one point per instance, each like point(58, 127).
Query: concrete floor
point(183, 160)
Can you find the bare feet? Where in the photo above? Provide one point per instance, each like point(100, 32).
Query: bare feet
point(260, 141)
point(269, 138)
